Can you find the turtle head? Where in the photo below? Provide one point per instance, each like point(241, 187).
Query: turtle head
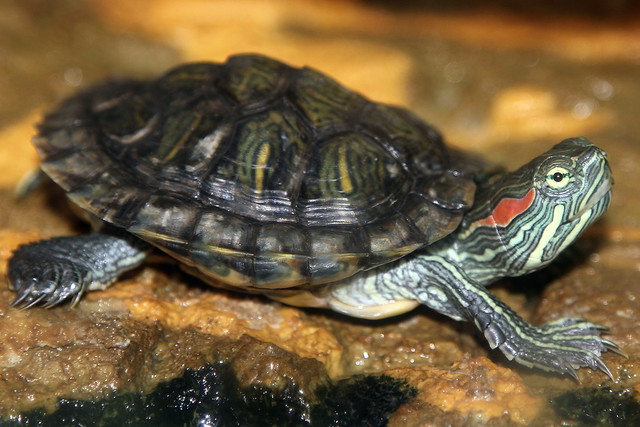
point(538, 210)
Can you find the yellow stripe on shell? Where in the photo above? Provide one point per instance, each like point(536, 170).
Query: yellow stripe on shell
point(180, 143)
point(343, 166)
point(263, 157)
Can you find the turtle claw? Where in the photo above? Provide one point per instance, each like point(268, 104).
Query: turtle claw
point(613, 347)
point(43, 293)
point(604, 368)
point(29, 294)
point(41, 280)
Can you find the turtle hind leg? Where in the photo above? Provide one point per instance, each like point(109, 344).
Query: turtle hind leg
point(49, 272)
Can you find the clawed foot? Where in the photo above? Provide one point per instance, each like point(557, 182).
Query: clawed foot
point(45, 293)
point(562, 346)
point(50, 272)
point(44, 279)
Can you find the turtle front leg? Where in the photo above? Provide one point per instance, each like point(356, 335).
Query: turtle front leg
point(51, 271)
point(562, 346)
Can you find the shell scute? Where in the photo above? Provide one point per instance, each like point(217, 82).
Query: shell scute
point(416, 145)
point(281, 256)
point(166, 222)
point(327, 105)
point(392, 238)
point(127, 118)
point(254, 80)
point(353, 181)
point(336, 253)
point(232, 268)
point(179, 86)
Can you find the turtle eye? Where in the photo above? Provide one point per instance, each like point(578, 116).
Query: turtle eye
point(559, 178)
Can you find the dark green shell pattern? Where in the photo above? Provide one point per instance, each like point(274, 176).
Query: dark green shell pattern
point(257, 174)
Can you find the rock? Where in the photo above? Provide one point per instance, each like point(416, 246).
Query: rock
point(473, 391)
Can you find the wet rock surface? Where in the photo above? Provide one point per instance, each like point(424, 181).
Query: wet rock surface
point(211, 395)
point(500, 83)
point(476, 390)
point(599, 407)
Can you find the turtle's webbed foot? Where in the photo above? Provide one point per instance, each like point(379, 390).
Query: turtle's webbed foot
point(45, 278)
point(562, 346)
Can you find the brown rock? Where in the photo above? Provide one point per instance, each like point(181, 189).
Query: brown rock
point(154, 299)
point(48, 354)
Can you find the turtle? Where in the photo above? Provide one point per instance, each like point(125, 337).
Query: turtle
point(267, 178)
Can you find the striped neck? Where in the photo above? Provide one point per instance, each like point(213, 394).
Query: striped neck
point(522, 220)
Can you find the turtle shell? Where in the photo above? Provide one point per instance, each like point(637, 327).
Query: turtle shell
point(257, 174)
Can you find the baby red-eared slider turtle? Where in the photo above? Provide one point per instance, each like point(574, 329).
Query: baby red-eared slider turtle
point(277, 180)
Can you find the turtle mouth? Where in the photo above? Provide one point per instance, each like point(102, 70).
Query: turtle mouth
point(598, 196)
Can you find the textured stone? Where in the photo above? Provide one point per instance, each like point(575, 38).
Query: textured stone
point(473, 391)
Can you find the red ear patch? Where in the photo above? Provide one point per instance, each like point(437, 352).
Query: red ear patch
point(507, 209)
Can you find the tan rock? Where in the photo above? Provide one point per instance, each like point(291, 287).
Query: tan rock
point(224, 314)
point(18, 157)
point(473, 391)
